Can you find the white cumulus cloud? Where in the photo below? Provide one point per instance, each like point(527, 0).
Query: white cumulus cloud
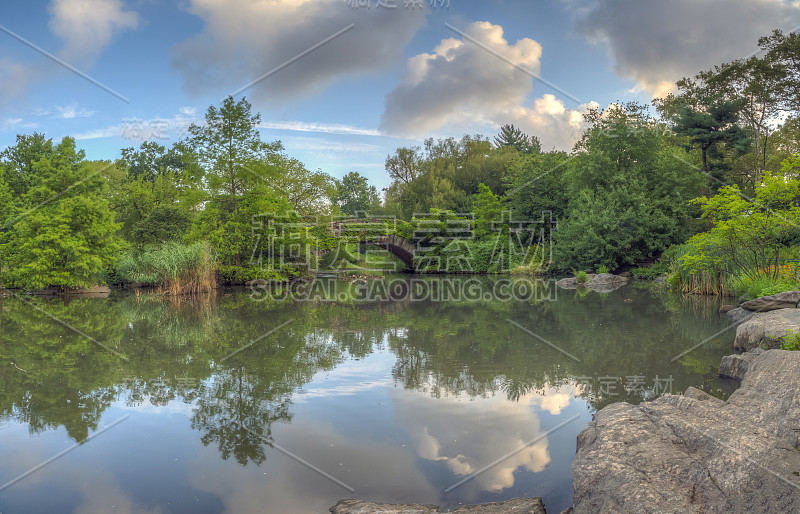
point(464, 84)
point(87, 26)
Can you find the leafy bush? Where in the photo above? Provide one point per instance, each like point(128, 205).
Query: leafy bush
point(763, 285)
point(746, 240)
point(581, 277)
point(235, 275)
point(165, 223)
point(602, 269)
point(651, 272)
point(791, 341)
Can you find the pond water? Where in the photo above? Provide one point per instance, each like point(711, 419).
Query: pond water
point(247, 402)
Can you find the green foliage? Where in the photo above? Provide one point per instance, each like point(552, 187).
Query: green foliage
point(353, 195)
point(64, 234)
point(228, 145)
point(763, 285)
point(581, 277)
point(708, 121)
point(628, 189)
point(602, 269)
point(164, 223)
point(446, 174)
point(172, 267)
point(488, 209)
point(513, 137)
point(651, 272)
point(152, 179)
point(748, 234)
point(536, 184)
point(791, 341)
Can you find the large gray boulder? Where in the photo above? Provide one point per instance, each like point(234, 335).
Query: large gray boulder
point(695, 454)
point(736, 366)
point(516, 506)
point(606, 282)
point(738, 315)
point(787, 300)
point(572, 282)
point(767, 329)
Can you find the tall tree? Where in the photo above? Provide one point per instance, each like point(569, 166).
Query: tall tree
point(66, 235)
point(18, 161)
point(628, 190)
point(405, 165)
point(229, 145)
point(230, 148)
point(783, 52)
point(512, 136)
point(155, 191)
point(307, 191)
point(713, 123)
point(354, 195)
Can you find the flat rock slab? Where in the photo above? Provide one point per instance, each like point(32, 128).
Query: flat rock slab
point(94, 291)
point(787, 300)
point(516, 506)
point(767, 329)
point(696, 454)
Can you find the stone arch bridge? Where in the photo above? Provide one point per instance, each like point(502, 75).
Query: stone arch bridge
point(373, 231)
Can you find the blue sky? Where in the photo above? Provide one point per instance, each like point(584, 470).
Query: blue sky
point(393, 76)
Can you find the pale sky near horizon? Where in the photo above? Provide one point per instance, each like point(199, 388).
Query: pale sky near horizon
point(342, 83)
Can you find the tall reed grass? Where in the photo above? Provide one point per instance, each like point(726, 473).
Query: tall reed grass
point(171, 269)
point(713, 280)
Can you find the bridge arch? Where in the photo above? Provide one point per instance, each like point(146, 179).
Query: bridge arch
point(393, 243)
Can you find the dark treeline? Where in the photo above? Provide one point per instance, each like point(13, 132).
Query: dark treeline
point(714, 166)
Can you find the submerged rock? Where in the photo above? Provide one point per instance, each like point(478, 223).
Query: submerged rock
point(692, 453)
point(602, 282)
point(517, 506)
point(767, 329)
point(787, 300)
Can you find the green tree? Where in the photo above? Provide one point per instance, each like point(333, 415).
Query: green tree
point(67, 235)
point(19, 160)
point(536, 184)
point(354, 195)
point(307, 191)
point(6, 210)
point(155, 192)
point(706, 122)
point(748, 233)
point(628, 192)
point(229, 145)
point(405, 165)
point(236, 161)
point(512, 136)
point(783, 52)
point(487, 208)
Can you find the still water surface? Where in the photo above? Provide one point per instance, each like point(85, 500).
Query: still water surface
point(397, 400)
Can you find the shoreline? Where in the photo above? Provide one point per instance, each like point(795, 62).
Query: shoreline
point(691, 452)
